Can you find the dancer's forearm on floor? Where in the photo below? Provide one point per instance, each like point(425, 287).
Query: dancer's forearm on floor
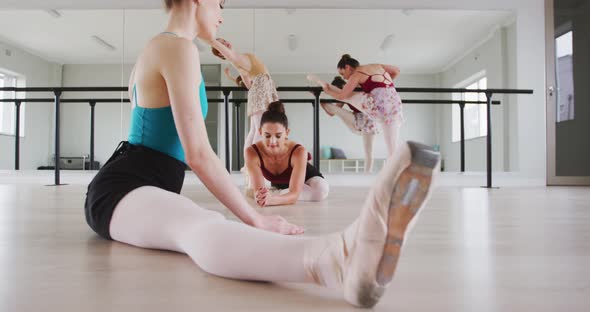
point(289, 198)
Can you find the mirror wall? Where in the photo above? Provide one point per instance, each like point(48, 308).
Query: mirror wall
point(433, 48)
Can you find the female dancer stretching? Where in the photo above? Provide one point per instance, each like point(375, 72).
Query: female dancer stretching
point(134, 198)
point(356, 121)
point(379, 99)
point(256, 78)
point(282, 162)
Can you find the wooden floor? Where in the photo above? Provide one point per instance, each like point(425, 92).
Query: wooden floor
point(509, 249)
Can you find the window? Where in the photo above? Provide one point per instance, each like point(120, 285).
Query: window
point(7, 109)
point(476, 116)
point(565, 76)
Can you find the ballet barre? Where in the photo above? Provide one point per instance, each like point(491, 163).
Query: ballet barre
point(226, 92)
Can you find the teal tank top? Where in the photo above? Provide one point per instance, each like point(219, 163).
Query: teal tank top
point(155, 128)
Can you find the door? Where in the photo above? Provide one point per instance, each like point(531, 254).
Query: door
point(568, 94)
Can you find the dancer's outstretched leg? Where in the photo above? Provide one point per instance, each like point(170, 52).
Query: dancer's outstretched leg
point(345, 115)
point(355, 100)
point(362, 259)
point(253, 135)
point(368, 139)
point(391, 134)
point(252, 138)
point(150, 217)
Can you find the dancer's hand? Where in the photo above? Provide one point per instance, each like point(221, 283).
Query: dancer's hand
point(262, 196)
point(227, 70)
point(278, 224)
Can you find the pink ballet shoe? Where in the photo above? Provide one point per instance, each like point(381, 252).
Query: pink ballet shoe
point(364, 257)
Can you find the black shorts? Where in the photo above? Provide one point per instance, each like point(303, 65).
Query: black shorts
point(310, 172)
point(130, 167)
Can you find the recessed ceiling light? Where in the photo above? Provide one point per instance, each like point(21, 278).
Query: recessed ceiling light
point(407, 12)
point(103, 43)
point(53, 12)
point(387, 42)
point(292, 42)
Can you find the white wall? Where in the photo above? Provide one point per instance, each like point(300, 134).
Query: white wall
point(489, 57)
point(111, 119)
point(530, 73)
point(419, 118)
point(35, 147)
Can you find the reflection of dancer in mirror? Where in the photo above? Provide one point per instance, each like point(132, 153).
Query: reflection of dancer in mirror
point(134, 198)
point(282, 162)
point(356, 121)
point(256, 79)
point(379, 99)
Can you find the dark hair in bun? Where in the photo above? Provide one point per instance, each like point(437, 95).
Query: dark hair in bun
point(347, 60)
point(240, 82)
point(275, 114)
point(338, 82)
point(217, 53)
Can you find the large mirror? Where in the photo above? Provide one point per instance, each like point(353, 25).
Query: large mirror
point(433, 48)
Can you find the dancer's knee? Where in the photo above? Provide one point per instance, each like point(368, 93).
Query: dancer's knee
point(319, 189)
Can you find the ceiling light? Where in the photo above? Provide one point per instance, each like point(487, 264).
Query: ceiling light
point(292, 42)
point(387, 42)
point(103, 43)
point(407, 12)
point(53, 12)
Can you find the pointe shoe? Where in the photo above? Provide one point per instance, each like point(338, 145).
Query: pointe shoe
point(364, 257)
point(384, 224)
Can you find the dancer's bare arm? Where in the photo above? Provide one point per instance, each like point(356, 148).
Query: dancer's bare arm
point(239, 60)
point(346, 92)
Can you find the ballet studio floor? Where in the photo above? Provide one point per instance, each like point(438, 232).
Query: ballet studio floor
point(507, 249)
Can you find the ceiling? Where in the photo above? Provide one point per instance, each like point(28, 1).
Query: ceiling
point(424, 41)
point(273, 4)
